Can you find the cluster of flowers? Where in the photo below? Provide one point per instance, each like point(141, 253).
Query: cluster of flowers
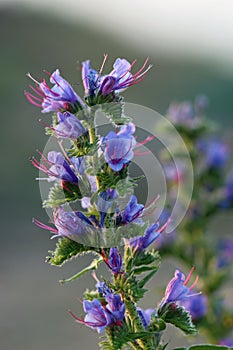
point(213, 193)
point(88, 173)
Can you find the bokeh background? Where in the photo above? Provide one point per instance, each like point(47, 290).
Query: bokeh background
point(190, 46)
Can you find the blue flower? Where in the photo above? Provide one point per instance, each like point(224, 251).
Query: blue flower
point(227, 200)
point(105, 201)
point(177, 289)
point(102, 288)
point(97, 316)
point(225, 252)
point(115, 306)
point(70, 223)
point(78, 164)
point(227, 342)
point(90, 77)
point(60, 97)
point(118, 79)
point(142, 242)
point(215, 153)
point(118, 147)
point(196, 306)
point(132, 210)
point(145, 316)
point(114, 260)
point(69, 126)
point(56, 167)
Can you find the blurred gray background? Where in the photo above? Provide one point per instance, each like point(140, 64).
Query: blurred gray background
point(33, 306)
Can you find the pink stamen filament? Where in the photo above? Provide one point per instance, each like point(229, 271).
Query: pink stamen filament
point(136, 153)
point(102, 66)
point(43, 226)
point(164, 226)
point(148, 139)
point(189, 276)
point(194, 283)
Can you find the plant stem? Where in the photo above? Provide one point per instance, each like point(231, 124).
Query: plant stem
point(131, 311)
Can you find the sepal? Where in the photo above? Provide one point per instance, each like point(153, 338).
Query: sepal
point(59, 195)
point(177, 316)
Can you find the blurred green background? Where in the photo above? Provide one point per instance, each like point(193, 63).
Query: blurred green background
point(34, 307)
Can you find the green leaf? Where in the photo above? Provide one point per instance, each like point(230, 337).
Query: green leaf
point(115, 111)
point(93, 266)
point(66, 249)
point(58, 195)
point(178, 316)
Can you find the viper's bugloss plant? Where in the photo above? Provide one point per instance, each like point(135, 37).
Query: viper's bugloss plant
point(195, 242)
point(94, 209)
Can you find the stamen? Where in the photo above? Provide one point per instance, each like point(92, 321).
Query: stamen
point(33, 79)
point(142, 153)
point(64, 152)
point(102, 66)
point(194, 283)
point(164, 226)
point(148, 139)
point(189, 276)
point(43, 226)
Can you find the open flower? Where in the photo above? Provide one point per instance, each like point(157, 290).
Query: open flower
point(177, 289)
point(132, 210)
point(56, 167)
point(97, 316)
point(60, 97)
point(100, 315)
point(115, 306)
point(215, 153)
point(118, 79)
point(118, 147)
point(196, 306)
point(69, 126)
point(151, 234)
point(68, 223)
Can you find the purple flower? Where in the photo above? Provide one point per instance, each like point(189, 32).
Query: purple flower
point(90, 77)
point(225, 252)
point(132, 211)
point(118, 79)
point(177, 289)
point(152, 233)
point(103, 289)
point(215, 153)
point(115, 306)
point(105, 201)
point(145, 316)
point(69, 126)
point(70, 223)
point(121, 78)
point(60, 97)
point(196, 306)
point(114, 260)
point(97, 316)
point(118, 147)
point(56, 167)
point(227, 200)
point(181, 113)
point(227, 342)
point(78, 164)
